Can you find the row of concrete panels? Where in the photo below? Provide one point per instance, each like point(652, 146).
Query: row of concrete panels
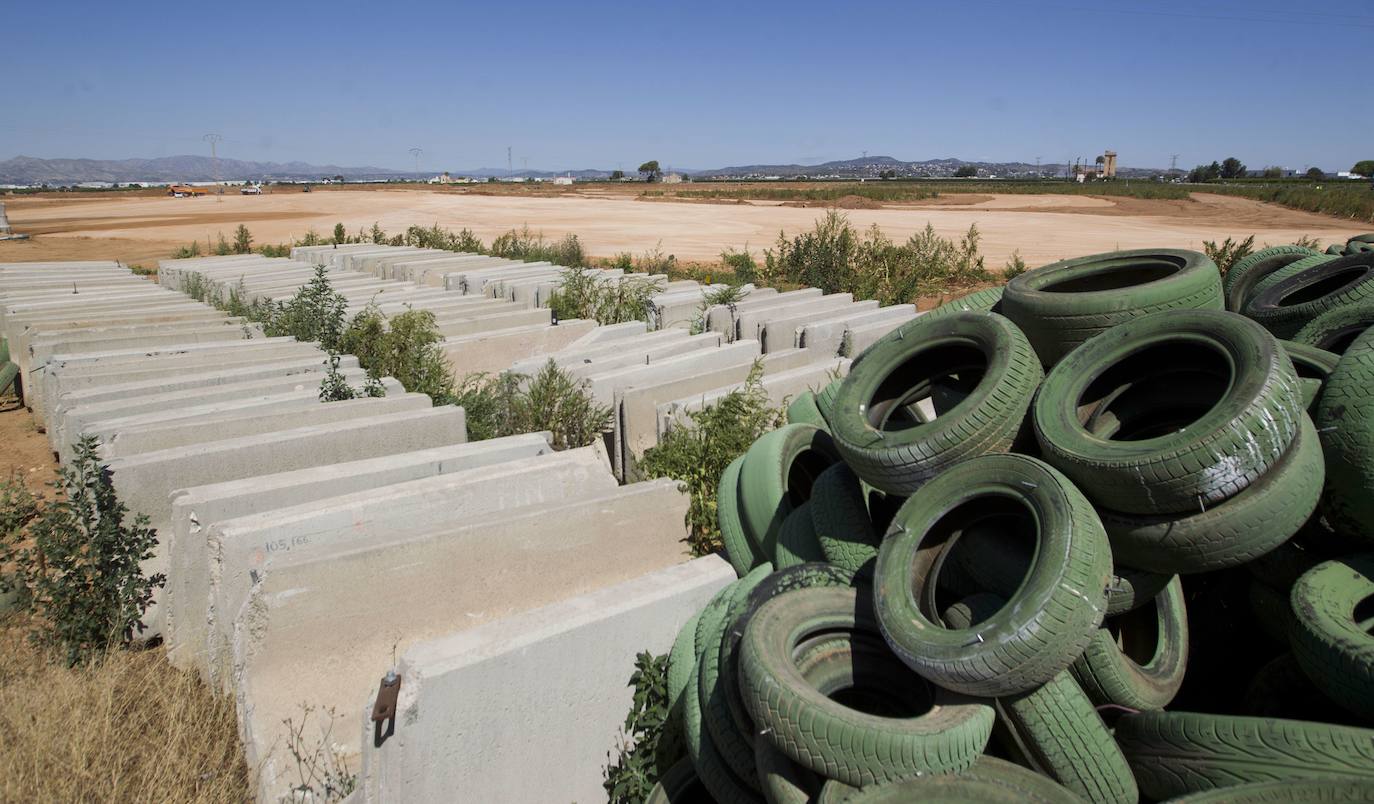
point(276, 510)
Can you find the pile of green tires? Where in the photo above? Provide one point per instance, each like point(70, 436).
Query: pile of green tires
point(1105, 534)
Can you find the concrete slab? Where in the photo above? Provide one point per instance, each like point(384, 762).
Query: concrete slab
point(784, 331)
point(722, 317)
point(196, 510)
point(232, 424)
point(241, 551)
point(315, 631)
point(495, 350)
point(859, 338)
point(610, 332)
point(70, 423)
point(474, 706)
point(515, 317)
point(828, 335)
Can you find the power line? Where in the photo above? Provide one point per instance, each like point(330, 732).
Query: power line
point(214, 139)
point(415, 152)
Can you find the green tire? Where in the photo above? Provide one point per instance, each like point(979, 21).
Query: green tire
point(844, 531)
point(1064, 304)
point(801, 647)
point(803, 410)
point(1333, 331)
point(1297, 791)
point(1055, 726)
point(1331, 635)
point(1052, 615)
point(782, 780)
point(731, 743)
point(1240, 281)
point(679, 785)
point(1264, 515)
point(988, 300)
point(1176, 753)
point(777, 475)
point(1345, 421)
point(982, 356)
point(797, 542)
point(1287, 272)
point(1137, 660)
point(989, 781)
point(1286, 307)
point(715, 776)
point(680, 660)
point(825, 398)
point(741, 550)
point(1191, 406)
point(1313, 367)
point(8, 373)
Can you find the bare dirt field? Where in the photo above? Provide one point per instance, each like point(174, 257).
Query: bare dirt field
point(139, 228)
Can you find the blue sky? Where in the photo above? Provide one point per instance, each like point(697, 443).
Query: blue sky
point(694, 85)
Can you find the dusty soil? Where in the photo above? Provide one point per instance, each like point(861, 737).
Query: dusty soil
point(25, 451)
point(608, 219)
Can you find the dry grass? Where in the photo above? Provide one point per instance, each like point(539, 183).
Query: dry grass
point(128, 728)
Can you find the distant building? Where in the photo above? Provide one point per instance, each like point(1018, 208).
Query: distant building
point(1103, 167)
point(672, 178)
point(563, 179)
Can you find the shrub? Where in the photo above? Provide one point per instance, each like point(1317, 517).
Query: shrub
point(1228, 252)
point(525, 244)
point(334, 388)
point(552, 400)
point(340, 233)
point(243, 240)
point(1015, 266)
point(315, 313)
point(404, 347)
point(696, 455)
point(730, 294)
point(633, 774)
point(321, 771)
point(274, 251)
point(434, 237)
point(81, 571)
point(822, 258)
point(188, 251)
point(742, 264)
point(590, 293)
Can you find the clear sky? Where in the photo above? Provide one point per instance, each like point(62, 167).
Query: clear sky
point(694, 84)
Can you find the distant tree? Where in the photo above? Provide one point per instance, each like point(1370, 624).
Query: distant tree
point(1232, 168)
point(340, 234)
point(966, 172)
point(1316, 173)
point(1205, 173)
point(1364, 167)
point(338, 178)
point(617, 175)
point(650, 171)
point(1273, 173)
point(888, 174)
point(243, 241)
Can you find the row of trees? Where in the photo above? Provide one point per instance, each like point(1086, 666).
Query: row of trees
point(1233, 168)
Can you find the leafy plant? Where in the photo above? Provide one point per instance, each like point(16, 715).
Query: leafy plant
point(696, 454)
point(315, 313)
point(632, 775)
point(1307, 241)
point(742, 263)
point(405, 347)
point(335, 388)
point(243, 240)
point(508, 403)
point(187, 251)
point(1228, 252)
point(530, 246)
point(1015, 266)
point(77, 562)
point(730, 294)
point(590, 293)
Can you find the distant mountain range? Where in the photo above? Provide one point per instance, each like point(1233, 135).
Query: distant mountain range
point(29, 170)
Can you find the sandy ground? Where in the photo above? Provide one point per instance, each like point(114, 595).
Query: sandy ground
point(1043, 228)
point(23, 450)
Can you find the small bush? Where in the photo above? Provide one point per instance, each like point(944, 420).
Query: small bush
point(321, 771)
point(243, 240)
point(1015, 266)
point(77, 562)
point(552, 400)
point(334, 388)
point(139, 270)
point(632, 775)
point(1228, 252)
point(742, 264)
point(315, 313)
point(730, 294)
point(530, 246)
point(274, 251)
point(404, 347)
point(1307, 241)
point(434, 237)
point(590, 293)
point(188, 251)
point(697, 455)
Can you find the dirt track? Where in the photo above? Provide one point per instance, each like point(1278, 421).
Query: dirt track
point(1043, 228)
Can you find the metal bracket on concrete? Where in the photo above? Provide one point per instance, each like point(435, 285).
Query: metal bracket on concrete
point(384, 708)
